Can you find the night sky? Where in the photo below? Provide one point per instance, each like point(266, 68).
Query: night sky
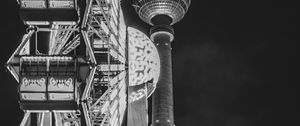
point(234, 63)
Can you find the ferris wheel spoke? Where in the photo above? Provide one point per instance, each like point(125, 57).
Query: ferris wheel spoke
point(89, 48)
point(56, 95)
point(25, 119)
point(71, 45)
point(88, 84)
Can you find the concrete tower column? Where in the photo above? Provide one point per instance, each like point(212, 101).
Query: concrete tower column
point(161, 14)
point(162, 99)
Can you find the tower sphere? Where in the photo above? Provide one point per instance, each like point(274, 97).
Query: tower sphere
point(175, 9)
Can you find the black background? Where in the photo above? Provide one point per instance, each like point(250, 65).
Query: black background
point(234, 62)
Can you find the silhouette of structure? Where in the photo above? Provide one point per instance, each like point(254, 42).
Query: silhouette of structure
point(79, 77)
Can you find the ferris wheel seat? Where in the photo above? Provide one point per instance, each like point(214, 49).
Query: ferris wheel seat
point(48, 83)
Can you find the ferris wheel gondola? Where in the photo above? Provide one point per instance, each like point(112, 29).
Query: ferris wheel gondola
point(43, 12)
point(84, 77)
point(81, 79)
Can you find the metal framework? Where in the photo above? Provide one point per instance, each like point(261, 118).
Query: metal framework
point(100, 95)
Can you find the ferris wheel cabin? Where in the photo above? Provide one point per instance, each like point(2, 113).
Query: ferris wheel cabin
point(48, 83)
point(43, 12)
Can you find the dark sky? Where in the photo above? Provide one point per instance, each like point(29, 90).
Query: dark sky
point(234, 63)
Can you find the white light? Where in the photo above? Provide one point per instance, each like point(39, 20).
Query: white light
point(33, 96)
point(61, 96)
point(33, 84)
point(104, 27)
point(162, 32)
point(113, 94)
point(64, 22)
point(144, 62)
point(122, 30)
point(122, 84)
point(113, 26)
point(37, 23)
point(25, 50)
point(60, 84)
point(61, 3)
point(33, 3)
point(113, 40)
point(114, 118)
point(113, 14)
point(45, 58)
point(134, 96)
point(105, 107)
point(114, 106)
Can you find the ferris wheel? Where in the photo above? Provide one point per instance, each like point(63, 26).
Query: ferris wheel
point(92, 70)
point(81, 78)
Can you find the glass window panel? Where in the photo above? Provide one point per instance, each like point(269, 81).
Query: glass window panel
point(33, 84)
point(61, 84)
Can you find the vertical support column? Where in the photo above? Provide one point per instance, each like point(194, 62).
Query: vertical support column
point(162, 99)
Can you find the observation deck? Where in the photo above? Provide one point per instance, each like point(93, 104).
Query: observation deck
point(148, 9)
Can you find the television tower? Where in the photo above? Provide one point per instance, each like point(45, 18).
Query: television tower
point(161, 14)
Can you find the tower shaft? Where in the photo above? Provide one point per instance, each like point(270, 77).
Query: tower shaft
point(161, 14)
point(162, 104)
